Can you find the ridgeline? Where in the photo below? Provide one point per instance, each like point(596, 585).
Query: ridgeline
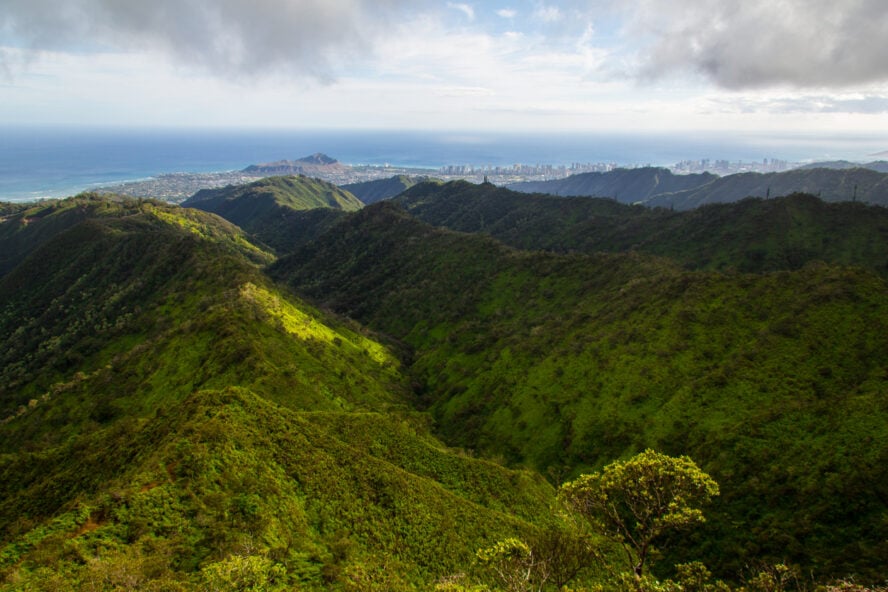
point(314, 395)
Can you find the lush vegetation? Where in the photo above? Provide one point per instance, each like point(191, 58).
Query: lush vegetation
point(173, 417)
point(170, 417)
point(373, 191)
point(280, 212)
point(622, 185)
point(773, 382)
point(659, 188)
point(752, 235)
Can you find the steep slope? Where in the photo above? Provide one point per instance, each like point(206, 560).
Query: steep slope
point(566, 362)
point(373, 191)
point(752, 235)
point(876, 165)
point(23, 226)
point(623, 185)
point(858, 184)
point(275, 210)
point(153, 302)
point(225, 489)
point(169, 416)
point(660, 188)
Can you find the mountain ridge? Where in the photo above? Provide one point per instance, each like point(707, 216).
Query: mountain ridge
point(278, 211)
point(751, 235)
point(170, 414)
point(562, 361)
point(642, 186)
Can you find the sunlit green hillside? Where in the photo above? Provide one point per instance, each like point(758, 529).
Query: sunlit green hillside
point(281, 212)
point(170, 417)
point(774, 382)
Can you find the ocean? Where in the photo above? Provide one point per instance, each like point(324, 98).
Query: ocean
point(57, 162)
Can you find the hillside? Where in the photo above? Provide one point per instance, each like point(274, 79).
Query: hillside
point(23, 226)
point(170, 417)
point(876, 165)
point(373, 191)
point(623, 185)
point(278, 211)
point(563, 362)
point(752, 235)
point(659, 188)
point(859, 184)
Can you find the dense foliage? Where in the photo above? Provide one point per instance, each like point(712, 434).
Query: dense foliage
point(657, 187)
point(753, 235)
point(623, 185)
point(281, 212)
point(173, 417)
point(773, 382)
point(373, 191)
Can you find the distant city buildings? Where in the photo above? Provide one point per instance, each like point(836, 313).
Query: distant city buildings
point(176, 187)
point(546, 172)
point(725, 167)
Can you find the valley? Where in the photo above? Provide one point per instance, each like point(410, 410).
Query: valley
point(279, 386)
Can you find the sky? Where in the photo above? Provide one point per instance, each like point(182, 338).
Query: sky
point(793, 66)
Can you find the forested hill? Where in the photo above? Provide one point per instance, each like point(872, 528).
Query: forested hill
point(170, 419)
point(752, 235)
point(859, 184)
point(876, 165)
point(373, 191)
point(183, 409)
point(623, 185)
point(659, 188)
point(562, 362)
point(281, 212)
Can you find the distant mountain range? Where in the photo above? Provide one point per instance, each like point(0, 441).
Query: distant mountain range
point(658, 187)
point(876, 165)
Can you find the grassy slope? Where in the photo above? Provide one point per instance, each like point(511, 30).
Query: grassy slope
point(752, 235)
point(773, 382)
point(277, 210)
point(163, 401)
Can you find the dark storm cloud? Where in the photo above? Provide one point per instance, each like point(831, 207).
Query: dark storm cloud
point(226, 37)
point(762, 43)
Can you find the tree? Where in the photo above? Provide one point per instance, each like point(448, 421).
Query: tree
point(513, 564)
point(635, 501)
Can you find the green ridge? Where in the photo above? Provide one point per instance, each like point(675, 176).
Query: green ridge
point(168, 413)
point(565, 362)
point(753, 235)
point(281, 212)
point(373, 191)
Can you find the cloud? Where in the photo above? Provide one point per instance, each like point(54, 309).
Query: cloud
point(763, 43)
point(547, 14)
point(851, 104)
point(507, 13)
point(231, 38)
point(466, 9)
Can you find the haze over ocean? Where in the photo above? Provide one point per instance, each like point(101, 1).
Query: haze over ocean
point(57, 162)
